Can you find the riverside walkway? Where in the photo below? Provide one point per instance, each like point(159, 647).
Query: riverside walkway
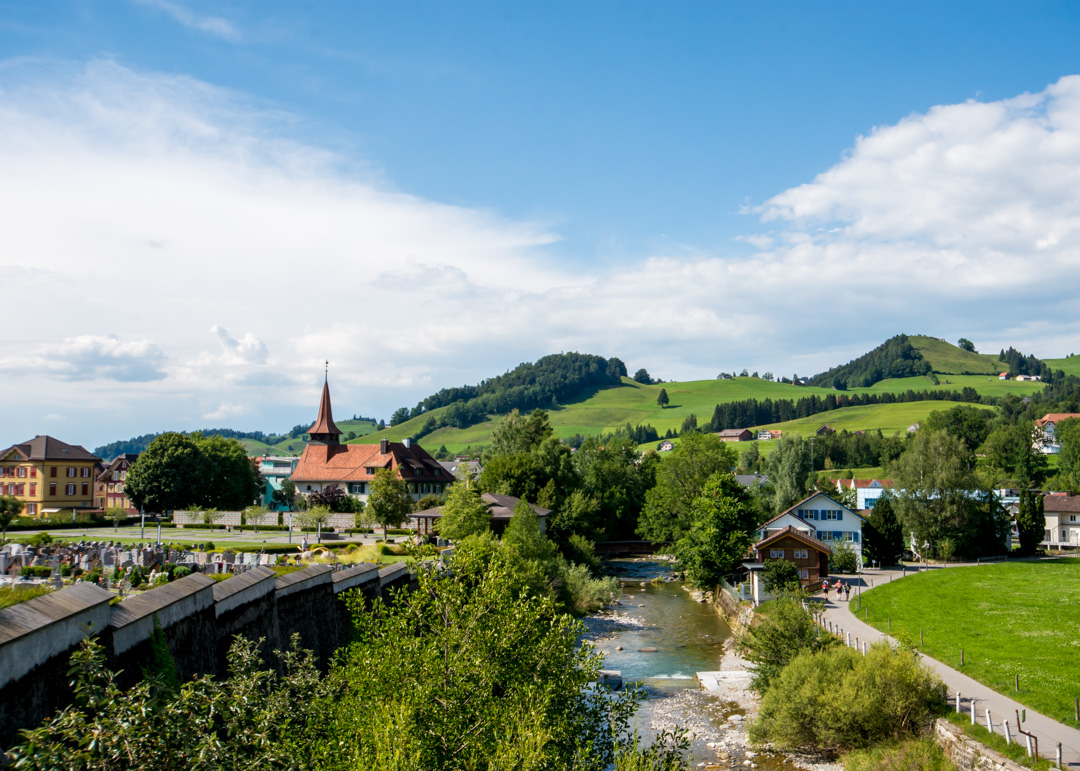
point(1048, 731)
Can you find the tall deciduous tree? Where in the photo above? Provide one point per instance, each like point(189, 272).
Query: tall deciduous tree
point(722, 527)
point(1067, 434)
point(940, 496)
point(615, 475)
point(464, 512)
point(680, 478)
point(389, 502)
point(788, 468)
point(10, 508)
point(1011, 450)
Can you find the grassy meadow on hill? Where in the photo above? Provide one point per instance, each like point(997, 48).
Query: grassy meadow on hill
point(598, 410)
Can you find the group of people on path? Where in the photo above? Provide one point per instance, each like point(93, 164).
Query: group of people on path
point(843, 591)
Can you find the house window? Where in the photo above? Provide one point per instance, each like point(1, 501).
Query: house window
point(71, 489)
point(85, 489)
point(71, 471)
point(22, 491)
point(1064, 533)
point(52, 488)
point(776, 554)
point(1072, 517)
point(33, 488)
point(804, 574)
point(31, 508)
point(86, 471)
point(802, 554)
point(1049, 535)
point(33, 471)
point(115, 475)
point(22, 472)
point(52, 471)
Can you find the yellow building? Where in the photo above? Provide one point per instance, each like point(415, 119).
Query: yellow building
point(48, 475)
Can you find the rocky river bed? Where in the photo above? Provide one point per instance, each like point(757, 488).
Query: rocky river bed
point(659, 636)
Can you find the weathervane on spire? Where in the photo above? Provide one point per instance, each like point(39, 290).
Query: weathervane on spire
point(326, 373)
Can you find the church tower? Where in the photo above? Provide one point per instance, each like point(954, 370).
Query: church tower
point(325, 431)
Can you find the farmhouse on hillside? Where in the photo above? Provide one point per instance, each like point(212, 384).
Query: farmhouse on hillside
point(735, 435)
point(352, 467)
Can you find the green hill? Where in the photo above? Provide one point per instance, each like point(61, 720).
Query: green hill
point(947, 359)
point(1070, 365)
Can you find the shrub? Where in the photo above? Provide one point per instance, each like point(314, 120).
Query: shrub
point(40, 539)
point(180, 572)
point(781, 575)
point(36, 571)
point(65, 570)
point(837, 699)
point(843, 558)
point(581, 550)
point(789, 629)
point(585, 593)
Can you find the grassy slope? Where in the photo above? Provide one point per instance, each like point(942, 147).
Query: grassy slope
point(947, 358)
point(1008, 619)
point(1069, 365)
point(890, 418)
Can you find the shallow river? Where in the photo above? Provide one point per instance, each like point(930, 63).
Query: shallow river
point(688, 637)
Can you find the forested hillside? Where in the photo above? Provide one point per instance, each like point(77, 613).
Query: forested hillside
point(895, 358)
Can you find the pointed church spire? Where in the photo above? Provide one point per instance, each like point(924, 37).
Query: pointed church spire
point(325, 431)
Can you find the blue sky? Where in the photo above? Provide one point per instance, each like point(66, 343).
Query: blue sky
point(215, 197)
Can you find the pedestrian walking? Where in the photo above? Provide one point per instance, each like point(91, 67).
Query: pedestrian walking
point(847, 593)
point(825, 588)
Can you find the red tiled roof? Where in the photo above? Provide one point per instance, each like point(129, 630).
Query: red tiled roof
point(1055, 417)
point(798, 535)
point(350, 463)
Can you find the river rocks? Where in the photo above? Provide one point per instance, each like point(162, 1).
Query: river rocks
point(647, 650)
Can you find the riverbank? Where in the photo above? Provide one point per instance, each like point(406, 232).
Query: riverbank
point(660, 636)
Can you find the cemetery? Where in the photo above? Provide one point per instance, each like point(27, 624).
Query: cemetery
point(211, 598)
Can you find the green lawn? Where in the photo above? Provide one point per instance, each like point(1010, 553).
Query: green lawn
point(946, 357)
point(985, 385)
point(1009, 618)
point(1069, 365)
point(890, 418)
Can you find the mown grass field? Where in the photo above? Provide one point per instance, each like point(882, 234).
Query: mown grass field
point(1069, 365)
point(1010, 618)
point(948, 358)
point(890, 418)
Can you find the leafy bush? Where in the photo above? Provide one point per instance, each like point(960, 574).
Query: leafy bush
point(586, 593)
point(180, 572)
point(843, 558)
point(581, 550)
point(36, 571)
point(787, 630)
point(13, 595)
point(781, 575)
point(837, 699)
point(40, 539)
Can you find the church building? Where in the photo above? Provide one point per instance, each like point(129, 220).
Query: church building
point(326, 461)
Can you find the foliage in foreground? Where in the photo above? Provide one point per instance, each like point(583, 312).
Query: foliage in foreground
point(470, 672)
point(257, 718)
point(13, 595)
point(788, 629)
point(838, 699)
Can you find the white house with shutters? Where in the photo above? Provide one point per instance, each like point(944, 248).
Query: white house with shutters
point(823, 518)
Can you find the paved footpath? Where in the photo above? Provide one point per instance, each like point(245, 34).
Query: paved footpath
point(1048, 731)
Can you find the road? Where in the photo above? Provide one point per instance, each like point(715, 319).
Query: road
point(1048, 731)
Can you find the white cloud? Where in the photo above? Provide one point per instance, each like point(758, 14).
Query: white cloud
point(91, 357)
point(157, 205)
point(212, 25)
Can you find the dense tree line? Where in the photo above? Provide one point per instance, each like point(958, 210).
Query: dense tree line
point(1019, 364)
point(549, 381)
point(138, 444)
point(751, 412)
point(896, 357)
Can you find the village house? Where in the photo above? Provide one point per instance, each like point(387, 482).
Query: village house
point(821, 518)
point(867, 491)
point(1062, 512)
point(352, 467)
point(500, 510)
point(665, 446)
point(1003, 376)
point(794, 544)
point(766, 435)
point(48, 475)
point(109, 483)
point(825, 430)
point(274, 469)
point(735, 435)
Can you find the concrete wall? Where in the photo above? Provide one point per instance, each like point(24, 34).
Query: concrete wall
point(200, 619)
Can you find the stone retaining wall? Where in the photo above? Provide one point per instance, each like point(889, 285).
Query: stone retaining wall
point(199, 617)
point(968, 754)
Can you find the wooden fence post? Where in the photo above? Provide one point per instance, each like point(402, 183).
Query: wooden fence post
point(961, 657)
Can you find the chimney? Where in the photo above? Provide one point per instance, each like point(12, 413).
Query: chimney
point(407, 442)
point(384, 446)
